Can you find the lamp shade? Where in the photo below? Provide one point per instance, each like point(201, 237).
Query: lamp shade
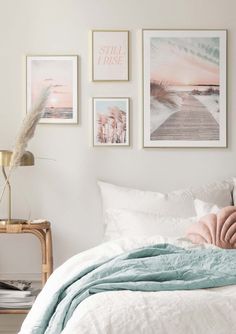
point(27, 158)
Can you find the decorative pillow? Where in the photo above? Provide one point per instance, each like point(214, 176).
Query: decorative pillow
point(217, 229)
point(203, 208)
point(128, 223)
point(178, 203)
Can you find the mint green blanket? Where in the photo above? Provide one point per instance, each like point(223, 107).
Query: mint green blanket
point(154, 268)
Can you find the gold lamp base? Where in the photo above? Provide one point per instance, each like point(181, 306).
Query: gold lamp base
point(27, 159)
point(12, 221)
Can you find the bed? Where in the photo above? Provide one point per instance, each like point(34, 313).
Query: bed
point(147, 283)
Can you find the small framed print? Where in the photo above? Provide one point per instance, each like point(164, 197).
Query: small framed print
point(184, 88)
point(111, 121)
point(61, 74)
point(110, 55)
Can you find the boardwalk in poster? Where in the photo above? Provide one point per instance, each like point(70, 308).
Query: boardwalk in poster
point(192, 121)
point(184, 89)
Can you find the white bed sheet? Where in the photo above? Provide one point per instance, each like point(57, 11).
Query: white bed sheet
point(205, 311)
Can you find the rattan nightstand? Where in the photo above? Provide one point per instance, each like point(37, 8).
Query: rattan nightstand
point(42, 230)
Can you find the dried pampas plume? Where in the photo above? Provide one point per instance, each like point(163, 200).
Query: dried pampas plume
point(27, 132)
point(28, 128)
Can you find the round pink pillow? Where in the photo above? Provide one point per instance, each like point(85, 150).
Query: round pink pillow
point(217, 229)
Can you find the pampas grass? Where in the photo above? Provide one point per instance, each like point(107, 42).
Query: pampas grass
point(26, 133)
point(28, 128)
point(159, 90)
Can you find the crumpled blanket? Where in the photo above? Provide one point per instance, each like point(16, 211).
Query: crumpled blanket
point(161, 267)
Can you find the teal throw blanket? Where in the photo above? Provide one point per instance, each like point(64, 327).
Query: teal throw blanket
point(161, 267)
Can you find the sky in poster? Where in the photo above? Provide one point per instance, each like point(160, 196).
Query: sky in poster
point(185, 61)
point(103, 106)
point(58, 74)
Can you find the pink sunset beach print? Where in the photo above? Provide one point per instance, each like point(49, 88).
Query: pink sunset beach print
point(184, 88)
point(58, 75)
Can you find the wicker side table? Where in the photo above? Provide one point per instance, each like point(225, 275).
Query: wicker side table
point(42, 231)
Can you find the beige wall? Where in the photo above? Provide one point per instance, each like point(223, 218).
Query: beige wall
point(64, 189)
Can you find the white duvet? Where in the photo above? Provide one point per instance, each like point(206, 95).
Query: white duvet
point(205, 311)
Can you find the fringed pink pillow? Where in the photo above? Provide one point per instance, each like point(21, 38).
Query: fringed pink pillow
point(217, 229)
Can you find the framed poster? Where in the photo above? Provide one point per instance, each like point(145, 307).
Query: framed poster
point(110, 55)
point(184, 88)
point(111, 121)
point(60, 73)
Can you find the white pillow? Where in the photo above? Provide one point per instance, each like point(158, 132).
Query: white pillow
point(234, 191)
point(220, 193)
point(178, 203)
point(128, 223)
point(203, 208)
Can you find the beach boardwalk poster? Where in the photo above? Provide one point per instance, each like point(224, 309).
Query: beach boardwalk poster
point(184, 88)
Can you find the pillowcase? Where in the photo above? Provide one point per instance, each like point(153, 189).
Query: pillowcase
point(178, 203)
point(234, 190)
point(203, 208)
point(128, 223)
point(219, 192)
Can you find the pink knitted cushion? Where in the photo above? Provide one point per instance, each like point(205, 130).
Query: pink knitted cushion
point(217, 229)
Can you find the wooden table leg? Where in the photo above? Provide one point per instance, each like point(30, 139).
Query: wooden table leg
point(41, 236)
point(49, 257)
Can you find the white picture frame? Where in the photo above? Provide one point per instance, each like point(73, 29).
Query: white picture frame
point(184, 88)
point(61, 74)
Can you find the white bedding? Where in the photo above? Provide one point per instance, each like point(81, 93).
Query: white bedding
point(209, 311)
